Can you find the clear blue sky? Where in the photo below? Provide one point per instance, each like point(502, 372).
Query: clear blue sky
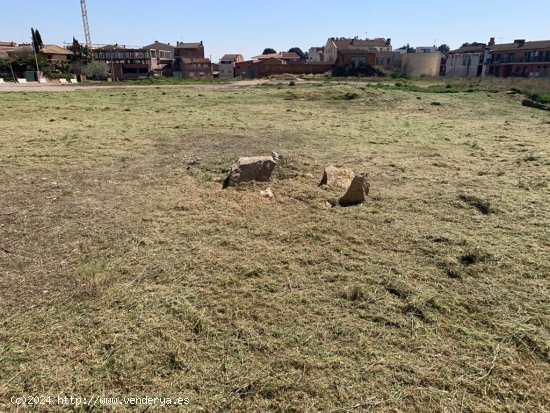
point(247, 27)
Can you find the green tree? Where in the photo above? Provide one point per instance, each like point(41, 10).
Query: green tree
point(444, 49)
point(269, 50)
point(39, 39)
point(37, 43)
point(96, 70)
point(299, 52)
point(80, 53)
point(472, 44)
point(408, 48)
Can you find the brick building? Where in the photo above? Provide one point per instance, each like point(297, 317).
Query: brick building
point(163, 55)
point(518, 59)
point(190, 63)
point(269, 67)
point(189, 50)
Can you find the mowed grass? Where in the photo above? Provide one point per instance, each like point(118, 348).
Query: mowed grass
point(126, 270)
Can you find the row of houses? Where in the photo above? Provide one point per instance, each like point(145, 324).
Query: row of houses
point(517, 59)
point(347, 56)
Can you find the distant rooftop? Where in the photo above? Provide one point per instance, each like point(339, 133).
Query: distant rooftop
point(159, 46)
point(230, 57)
point(181, 45)
point(279, 55)
point(342, 43)
point(521, 44)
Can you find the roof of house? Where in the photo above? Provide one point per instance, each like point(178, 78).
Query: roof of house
point(279, 55)
point(47, 49)
point(159, 46)
point(54, 49)
point(7, 44)
point(538, 44)
point(111, 47)
point(231, 57)
point(182, 45)
point(358, 43)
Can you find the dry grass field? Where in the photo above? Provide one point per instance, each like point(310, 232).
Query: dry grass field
point(126, 270)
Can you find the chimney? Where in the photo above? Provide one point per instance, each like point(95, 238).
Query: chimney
point(201, 42)
point(491, 42)
point(520, 42)
point(388, 42)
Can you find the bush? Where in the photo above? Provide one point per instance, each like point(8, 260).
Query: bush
point(96, 71)
point(347, 70)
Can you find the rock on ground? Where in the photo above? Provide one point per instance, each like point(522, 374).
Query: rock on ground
point(257, 168)
point(533, 104)
point(268, 193)
point(357, 191)
point(337, 177)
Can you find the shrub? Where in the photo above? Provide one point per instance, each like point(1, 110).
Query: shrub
point(96, 71)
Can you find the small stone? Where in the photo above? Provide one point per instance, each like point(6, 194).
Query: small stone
point(268, 193)
point(357, 191)
point(337, 177)
point(258, 168)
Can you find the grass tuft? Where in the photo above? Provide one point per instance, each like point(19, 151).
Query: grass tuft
point(481, 205)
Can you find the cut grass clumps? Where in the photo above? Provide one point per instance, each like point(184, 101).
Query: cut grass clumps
point(472, 256)
point(150, 277)
point(350, 96)
point(481, 205)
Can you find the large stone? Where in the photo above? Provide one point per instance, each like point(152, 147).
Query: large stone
point(258, 168)
point(357, 191)
point(337, 177)
point(533, 104)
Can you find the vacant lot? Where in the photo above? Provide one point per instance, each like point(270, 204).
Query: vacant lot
point(125, 269)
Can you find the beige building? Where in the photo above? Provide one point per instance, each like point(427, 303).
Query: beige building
point(421, 64)
point(466, 61)
point(227, 65)
point(316, 55)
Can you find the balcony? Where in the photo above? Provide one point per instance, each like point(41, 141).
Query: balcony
point(510, 60)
